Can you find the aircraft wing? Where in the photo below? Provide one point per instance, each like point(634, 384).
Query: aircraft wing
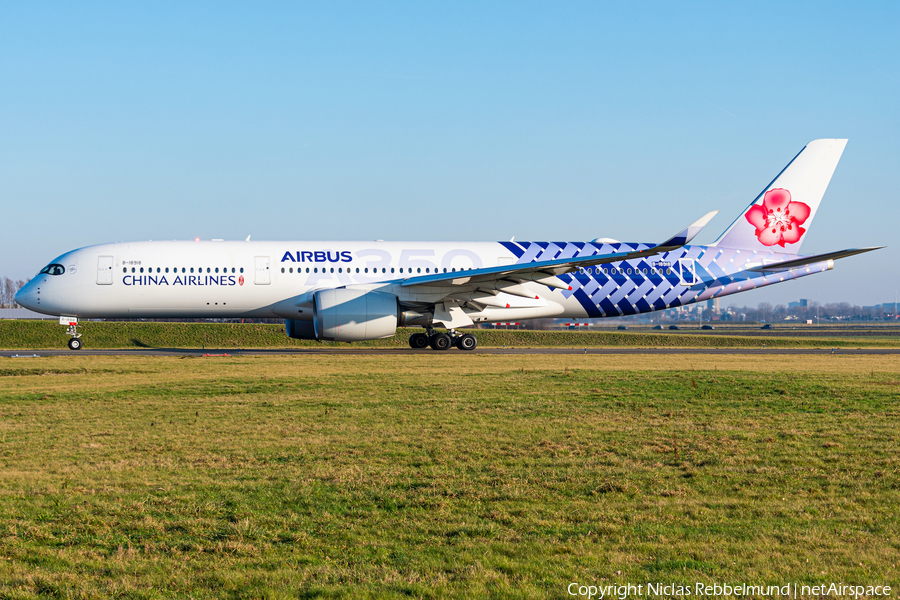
point(545, 272)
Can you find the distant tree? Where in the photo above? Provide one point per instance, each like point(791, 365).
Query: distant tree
point(7, 292)
point(8, 289)
point(18, 286)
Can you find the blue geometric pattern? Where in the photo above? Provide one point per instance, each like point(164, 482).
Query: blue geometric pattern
point(649, 284)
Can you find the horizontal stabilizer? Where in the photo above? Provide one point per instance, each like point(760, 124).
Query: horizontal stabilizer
point(808, 260)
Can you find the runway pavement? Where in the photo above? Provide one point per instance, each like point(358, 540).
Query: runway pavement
point(211, 353)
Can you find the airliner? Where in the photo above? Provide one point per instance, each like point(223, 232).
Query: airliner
point(354, 291)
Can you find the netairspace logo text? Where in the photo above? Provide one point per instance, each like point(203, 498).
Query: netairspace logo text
point(717, 590)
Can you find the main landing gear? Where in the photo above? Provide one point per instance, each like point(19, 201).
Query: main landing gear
point(443, 341)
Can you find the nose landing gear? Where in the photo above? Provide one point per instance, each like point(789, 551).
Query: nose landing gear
point(72, 331)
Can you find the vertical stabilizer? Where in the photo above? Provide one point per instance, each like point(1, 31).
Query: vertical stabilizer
point(778, 219)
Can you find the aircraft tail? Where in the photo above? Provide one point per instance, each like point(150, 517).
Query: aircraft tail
point(777, 220)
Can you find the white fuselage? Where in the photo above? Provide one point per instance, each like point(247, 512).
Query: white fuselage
point(213, 279)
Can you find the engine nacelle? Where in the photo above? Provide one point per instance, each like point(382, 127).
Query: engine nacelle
point(300, 330)
point(349, 315)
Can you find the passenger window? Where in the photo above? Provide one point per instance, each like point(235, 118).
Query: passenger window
point(332, 269)
point(366, 269)
point(192, 269)
point(124, 270)
point(307, 269)
point(357, 269)
point(242, 269)
point(401, 269)
point(392, 269)
point(282, 269)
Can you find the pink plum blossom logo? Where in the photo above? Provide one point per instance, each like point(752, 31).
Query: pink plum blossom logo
point(778, 220)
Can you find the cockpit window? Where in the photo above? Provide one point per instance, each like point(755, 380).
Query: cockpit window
point(53, 270)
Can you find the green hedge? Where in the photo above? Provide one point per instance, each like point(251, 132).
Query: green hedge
point(49, 334)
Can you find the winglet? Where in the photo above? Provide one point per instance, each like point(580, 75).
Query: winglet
point(687, 234)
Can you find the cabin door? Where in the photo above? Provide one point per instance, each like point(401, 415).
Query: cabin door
point(686, 273)
point(262, 270)
point(104, 270)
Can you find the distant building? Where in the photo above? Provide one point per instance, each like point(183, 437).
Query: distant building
point(22, 313)
point(801, 303)
point(713, 305)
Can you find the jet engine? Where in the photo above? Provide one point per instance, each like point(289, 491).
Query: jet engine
point(348, 315)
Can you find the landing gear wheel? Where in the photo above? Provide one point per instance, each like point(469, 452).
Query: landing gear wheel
point(441, 341)
point(417, 341)
point(75, 344)
point(467, 341)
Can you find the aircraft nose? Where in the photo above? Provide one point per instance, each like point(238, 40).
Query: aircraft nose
point(29, 296)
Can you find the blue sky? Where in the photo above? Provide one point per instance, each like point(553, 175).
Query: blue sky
point(562, 121)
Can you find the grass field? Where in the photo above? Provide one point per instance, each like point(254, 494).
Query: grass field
point(450, 475)
point(49, 334)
